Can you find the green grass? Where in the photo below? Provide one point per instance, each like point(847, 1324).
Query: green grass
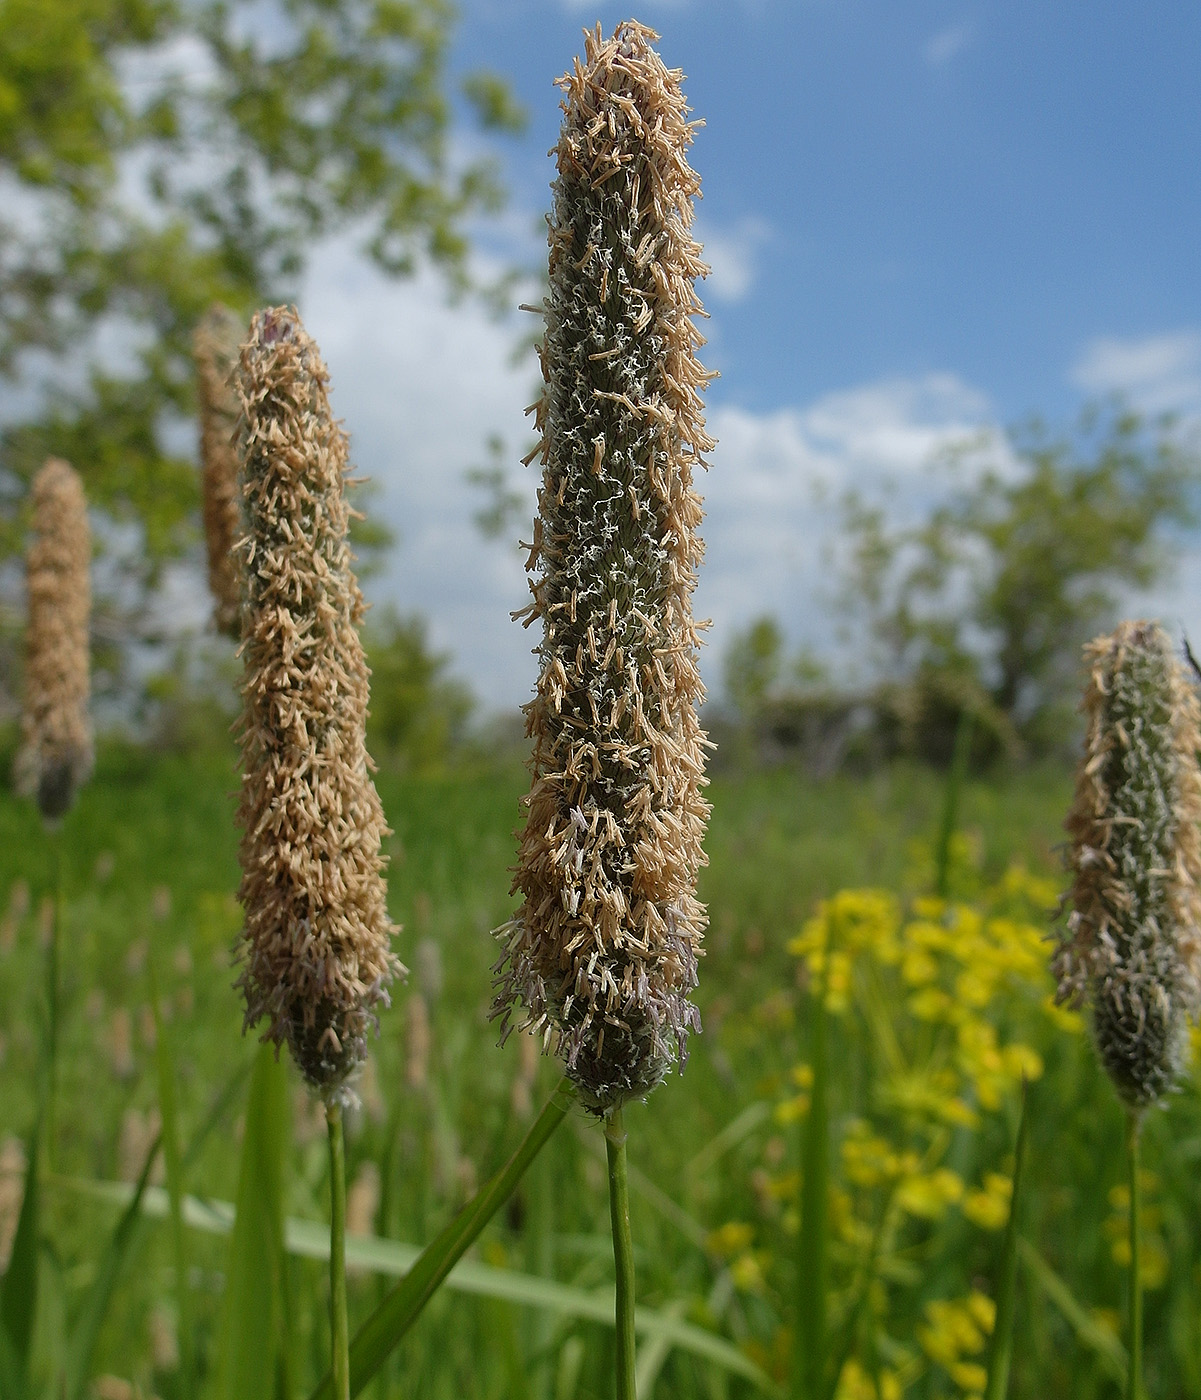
point(151, 861)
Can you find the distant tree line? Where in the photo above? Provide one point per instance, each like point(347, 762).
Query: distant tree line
point(981, 604)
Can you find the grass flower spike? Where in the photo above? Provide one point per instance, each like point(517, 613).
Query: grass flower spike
point(56, 731)
point(316, 942)
point(1134, 935)
point(602, 954)
point(215, 347)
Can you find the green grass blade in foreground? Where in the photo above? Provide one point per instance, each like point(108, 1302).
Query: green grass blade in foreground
point(1088, 1330)
point(86, 1331)
point(19, 1291)
point(309, 1239)
point(1001, 1348)
point(251, 1315)
point(809, 1303)
point(172, 1155)
point(383, 1330)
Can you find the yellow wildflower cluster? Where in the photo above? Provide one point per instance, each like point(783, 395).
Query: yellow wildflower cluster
point(940, 1009)
point(955, 1335)
point(857, 1383)
point(961, 970)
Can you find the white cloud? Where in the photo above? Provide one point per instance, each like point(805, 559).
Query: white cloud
point(1156, 373)
point(948, 43)
point(732, 255)
point(772, 492)
point(420, 385)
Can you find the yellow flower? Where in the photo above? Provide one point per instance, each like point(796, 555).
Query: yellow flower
point(1022, 1061)
point(730, 1239)
point(932, 1004)
point(747, 1273)
point(918, 967)
point(989, 1207)
point(970, 1375)
point(856, 1384)
point(957, 1327)
point(929, 1195)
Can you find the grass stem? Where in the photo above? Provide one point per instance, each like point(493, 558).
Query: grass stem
point(812, 1272)
point(339, 1328)
point(1001, 1347)
point(623, 1252)
point(1134, 1384)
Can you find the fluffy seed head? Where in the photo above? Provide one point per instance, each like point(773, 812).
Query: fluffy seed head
point(1133, 942)
point(315, 948)
point(602, 954)
point(215, 348)
point(56, 731)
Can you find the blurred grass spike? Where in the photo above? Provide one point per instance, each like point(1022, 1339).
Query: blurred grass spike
point(56, 751)
point(316, 961)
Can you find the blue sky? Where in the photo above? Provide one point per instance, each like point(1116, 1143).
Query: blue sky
point(923, 218)
point(918, 186)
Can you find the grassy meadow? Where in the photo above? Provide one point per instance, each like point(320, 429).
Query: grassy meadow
point(922, 1121)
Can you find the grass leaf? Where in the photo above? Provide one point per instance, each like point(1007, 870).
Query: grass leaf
point(86, 1329)
point(251, 1316)
point(164, 1056)
point(19, 1291)
point(1001, 1347)
point(812, 1267)
point(1088, 1330)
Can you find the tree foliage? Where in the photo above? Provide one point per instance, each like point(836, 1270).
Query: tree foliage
point(157, 155)
point(1001, 583)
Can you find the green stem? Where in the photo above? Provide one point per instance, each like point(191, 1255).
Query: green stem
point(340, 1331)
point(623, 1252)
point(1134, 1389)
point(812, 1264)
point(1001, 1348)
point(52, 991)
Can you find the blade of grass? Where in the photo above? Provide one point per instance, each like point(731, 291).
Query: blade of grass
point(86, 1329)
point(1001, 1348)
point(172, 1155)
point(654, 1355)
point(19, 1291)
point(730, 1136)
point(309, 1239)
point(383, 1330)
point(1088, 1330)
point(251, 1315)
point(809, 1331)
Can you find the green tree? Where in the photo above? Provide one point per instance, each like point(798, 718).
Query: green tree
point(1002, 583)
point(418, 712)
point(753, 665)
point(156, 155)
